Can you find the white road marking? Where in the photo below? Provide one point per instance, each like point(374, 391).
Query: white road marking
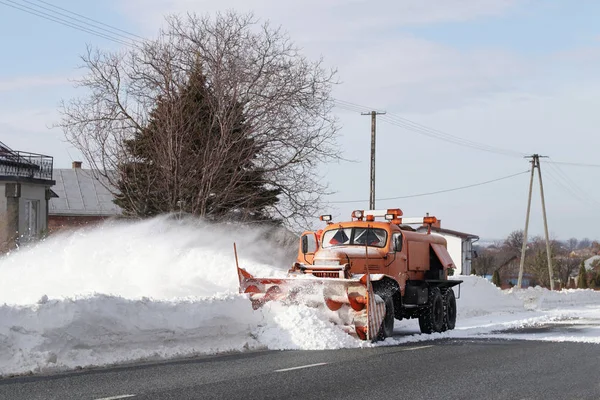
point(300, 367)
point(417, 348)
point(123, 396)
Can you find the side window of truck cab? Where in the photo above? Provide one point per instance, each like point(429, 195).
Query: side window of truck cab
point(308, 243)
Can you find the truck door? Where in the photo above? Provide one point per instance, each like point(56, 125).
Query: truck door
point(398, 267)
point(307, 248)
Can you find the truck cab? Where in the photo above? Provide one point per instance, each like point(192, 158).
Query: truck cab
point(408, 268)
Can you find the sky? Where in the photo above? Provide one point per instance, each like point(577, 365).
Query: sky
point(518, 75)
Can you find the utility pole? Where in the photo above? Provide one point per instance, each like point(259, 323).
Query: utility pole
point(545, 225)
point(373, 115)
point(535, 163)
point(524, 247)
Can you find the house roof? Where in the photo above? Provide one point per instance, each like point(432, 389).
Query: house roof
point(462, 235)
point(588, 263)
point(81, 194)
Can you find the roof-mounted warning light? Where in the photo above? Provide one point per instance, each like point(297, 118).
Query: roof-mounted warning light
point(427, 220)
point(327, 218)
point(393, 215)
point(358, 214)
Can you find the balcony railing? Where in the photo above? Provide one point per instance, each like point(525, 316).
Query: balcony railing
point(26, 165)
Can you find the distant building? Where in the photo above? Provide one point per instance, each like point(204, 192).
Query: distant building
point(25, 189)
point(460, 246)
point(81, 199)
point(589, 263)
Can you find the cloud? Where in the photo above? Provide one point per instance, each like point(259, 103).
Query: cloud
point(378, 60)
point(326, 14)
point(416, 75)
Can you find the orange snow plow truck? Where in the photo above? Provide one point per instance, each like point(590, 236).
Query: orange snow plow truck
point(365, 273)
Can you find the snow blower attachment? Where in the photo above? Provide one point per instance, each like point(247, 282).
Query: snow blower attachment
point(364, 274)
point(350, 303)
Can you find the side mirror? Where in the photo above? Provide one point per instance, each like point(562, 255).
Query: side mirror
point(304, 244)
point(398, 243)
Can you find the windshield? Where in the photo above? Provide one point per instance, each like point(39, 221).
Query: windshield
point(355, 236)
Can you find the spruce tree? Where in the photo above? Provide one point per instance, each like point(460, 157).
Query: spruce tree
point(582, 277)
point(496, 278)
point(188, 159)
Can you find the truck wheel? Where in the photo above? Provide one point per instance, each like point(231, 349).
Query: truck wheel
point(431, 318)
point(449, 309)
point(387, 325)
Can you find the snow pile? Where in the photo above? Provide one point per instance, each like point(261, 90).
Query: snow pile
point(166, 288)
point(152, 289)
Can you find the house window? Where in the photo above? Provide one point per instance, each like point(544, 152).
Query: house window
point(32, 208)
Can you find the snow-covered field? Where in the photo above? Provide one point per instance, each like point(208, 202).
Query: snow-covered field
point(163, 288)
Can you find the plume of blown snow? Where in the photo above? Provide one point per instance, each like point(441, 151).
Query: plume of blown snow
point(160, 258)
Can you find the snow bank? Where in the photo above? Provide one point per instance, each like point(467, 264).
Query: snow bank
point(153, 289)
point(163, 288)
point(106, 330)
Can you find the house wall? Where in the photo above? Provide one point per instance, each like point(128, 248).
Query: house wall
point(467, 255)
point(63, 222)
point(3, 218)
point(455, 250)
point(2, 198)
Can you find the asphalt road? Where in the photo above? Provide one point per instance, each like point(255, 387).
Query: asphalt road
point(452, 369)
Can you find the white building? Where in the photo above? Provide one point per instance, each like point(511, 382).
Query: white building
point(459, 244)
point(25, 182)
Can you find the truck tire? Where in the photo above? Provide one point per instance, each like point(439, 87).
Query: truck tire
point(431, 318)
point(449, 309)
point(387, 325)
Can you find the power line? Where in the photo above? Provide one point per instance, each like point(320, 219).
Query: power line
point(111, 31)
point(571, 187)
point(396, 120)
point(432, 193)
point(89, 19)
point(577, 164)
point(71, 22)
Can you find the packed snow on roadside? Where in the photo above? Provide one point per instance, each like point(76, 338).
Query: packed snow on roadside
point(165, 288)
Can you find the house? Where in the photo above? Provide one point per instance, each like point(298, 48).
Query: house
point(82, 199)
point(25, 189)
point(591, 262)
point(459, 244)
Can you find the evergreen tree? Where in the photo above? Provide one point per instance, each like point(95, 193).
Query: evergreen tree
point(595, 280)
point(582, 277)
point(496, 278)
point(189, 159)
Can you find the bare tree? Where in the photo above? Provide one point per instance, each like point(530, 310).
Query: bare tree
point(514, 242)
point(286, 100)
point(584, 243)
point(572, 244)
point(565, 266)
point(537, 261)
point(485, 263)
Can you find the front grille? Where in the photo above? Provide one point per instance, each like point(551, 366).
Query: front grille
point(322, 274)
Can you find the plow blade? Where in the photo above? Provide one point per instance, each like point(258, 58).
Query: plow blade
point(349, 303)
